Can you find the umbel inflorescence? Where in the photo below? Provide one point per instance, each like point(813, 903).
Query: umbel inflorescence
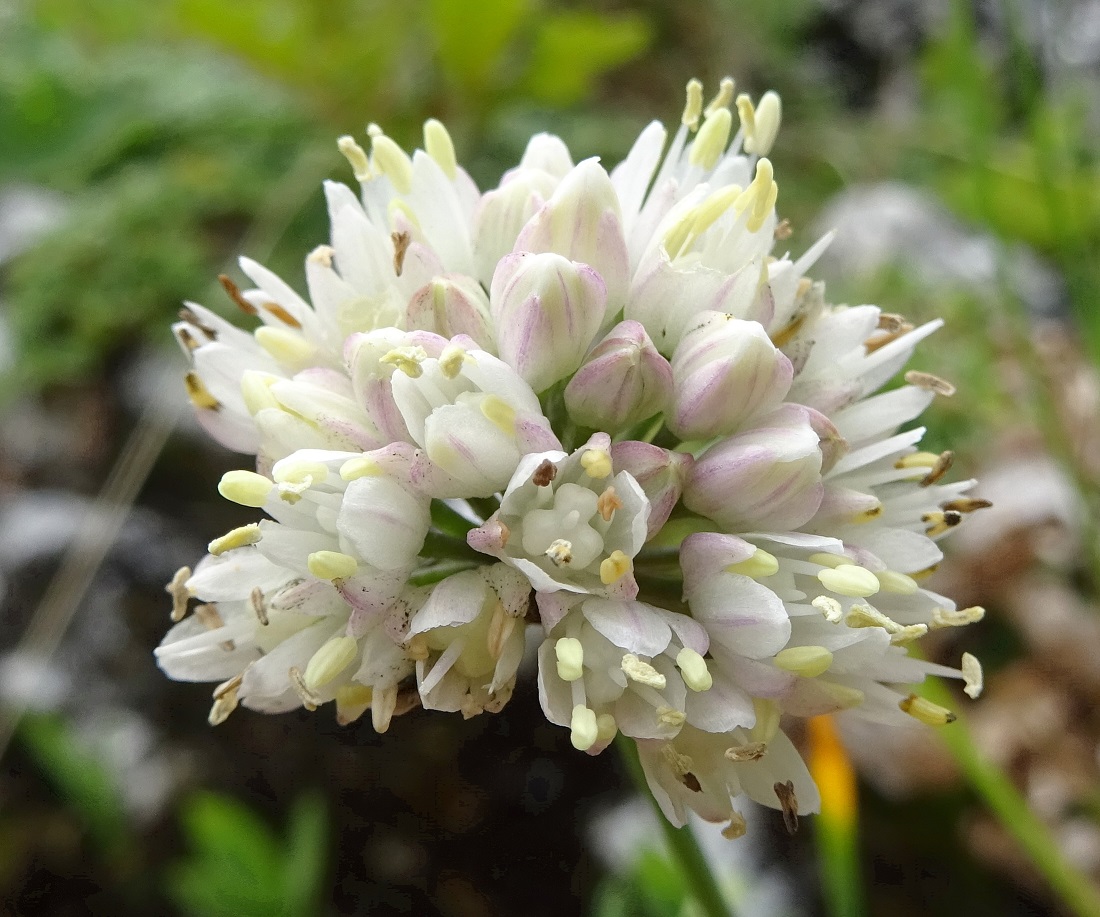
point(586, 410)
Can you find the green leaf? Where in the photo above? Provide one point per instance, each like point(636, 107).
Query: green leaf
point(79, 776)
point(470, 37)
point(573, 49)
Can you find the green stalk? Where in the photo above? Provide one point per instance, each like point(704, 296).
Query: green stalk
point(1004, 800)
point(682, 844)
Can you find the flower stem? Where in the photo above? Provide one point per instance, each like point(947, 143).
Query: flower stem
point(682, 845)
point(999, 793)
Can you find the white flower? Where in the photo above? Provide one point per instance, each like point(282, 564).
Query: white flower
point(597, 402)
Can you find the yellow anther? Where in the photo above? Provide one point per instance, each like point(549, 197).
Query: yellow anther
point(438, 145)
point(583, 729)
point(829, 607)
point(831, 560)
point(286, 346)
point(500, 413)
point(747, 113)
point(922, 709)
point(329, 661)
point(693, 108)
point(956, 617)
point(297, 471)
point(972, 675)
point(331, 565)
point(844, 697)
point(765, 125)
point(245, 487)
point(760, 195)
point(917, 460)
point(501, 626)
point(256, 391)
point(693, 668)
point(360, 467)
point(406, 359)
point(697, 220)
point(614, 568)
point(670, 716)
point(238, 538)
point(596, 463)
point(767, 720)
point(642, 672)
point(807, 661)
point(356, 157)
point(723, 98)
point(849, 580)
point(759, 565)
point(903, 636)
point(199, 394)
point(891, 581)
point(866, 616)
point(452, 360)
point(607, 503)
point(570, 655)
point(393, 161)
point(606, 728)
point(416, 647)
point(710, 142)
point(352, 701)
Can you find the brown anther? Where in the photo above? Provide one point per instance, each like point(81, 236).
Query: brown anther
point(607, 503)
point(235, 294)
point(191, 318)
point(187, 339)
point(178, 590)
point(891, 334)
point(401, 241)
point(942, 466)
point(966, 504)
point(408, 698)
point(258, 605)
point(281, 314)
point(544, 474)
point(225, 700)
point(209, 616)
point(782, 230)
point(691, 782)
point(309, 700)
point(736, 828)
point(891, 322)
point(752, 751)
point(930, 383)
point(199, 394)
point(789, 802)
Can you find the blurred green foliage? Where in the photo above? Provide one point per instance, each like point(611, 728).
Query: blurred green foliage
point(239, 867)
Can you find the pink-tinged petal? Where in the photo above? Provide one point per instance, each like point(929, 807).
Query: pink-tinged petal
point(721, 708)
point(371, 596)
point(660, 474)
point(633, 626)
point(553, 606)
point(547, 310)
point(706, 554)
point(623, 381)
point(383, 521)
point(450, 305)
point(741, 615)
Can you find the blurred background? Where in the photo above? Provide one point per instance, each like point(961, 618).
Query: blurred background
point(144, 145)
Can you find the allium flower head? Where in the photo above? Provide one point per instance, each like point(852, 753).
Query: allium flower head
point(595, 410)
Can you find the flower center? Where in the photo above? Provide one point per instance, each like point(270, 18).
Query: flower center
point(563, 531)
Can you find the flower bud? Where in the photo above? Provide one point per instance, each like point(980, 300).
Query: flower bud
point(547, 310)
point(450, 305)
point(582, 222)
point(659, 472)
point(726, 371)
point(503, 212)
point(765, 478)
point(623, 381)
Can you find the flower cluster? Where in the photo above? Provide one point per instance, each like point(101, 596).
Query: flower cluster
point(586, 410)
